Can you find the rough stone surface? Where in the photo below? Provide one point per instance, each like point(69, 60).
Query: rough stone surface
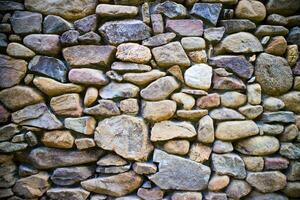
point(158, 110)
point(198, 76)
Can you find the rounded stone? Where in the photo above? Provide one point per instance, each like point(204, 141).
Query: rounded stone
point(198, 76)
point(250, 9)
point(132, 52)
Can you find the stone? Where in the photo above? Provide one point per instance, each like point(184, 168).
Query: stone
point(153, 193)
point(291, 101)
point(111, 160)
point(89, 55)
point(186, 100)
point(170, 54)
point(199, 152)
point(118, 90)
point(90, 97)
point(171, 9)
point(84, 143)
point(19, 51)
point(86, 76)
point(160, 89)
point(198, 76)
point(157, 23)
point(269, 30)
point(220, 146)
point(210, 101)
point(86, 24)
point(12, 71)
point(218, 182)
point(159, 110)
point(272, 129)
point(277, 46)
point(191, 115)
point(251, 112)
point(55, 25)
point(176, 72)
point(241, 42)
point(261, 196)
point(45, 44)
point(6, 192)
point(229, 164)
point(296, 69)
point(290, 150)
point(294, 35)
point(167, 130)
point(144, 168)
point(222, 114)
point(145, 13)
point(54, 88)
point(143, 78)
point(24, 22)
point(133, 52)
point(116, 11)
point(69, 38)
point(68, 193)
point(252, 10)
point(177, 147)
point(292, 189)
point(27, 170)
point(193, 43)
point(238, 189)
point(9, 147)
point(10, 97)
point(117, 32)
point(8, 131)
point(237, 64)
point(67, 105)
point(276, 163)
point(254, 163)
point(116, 185)
point(186, 195)
point(37, 115)
point(293, 173)
point(11, 6)
point(289, 134)
point(105, 108)
point(279, 116)
point(89, 38)
point(233, 99)
point(254, 93)
point(291, 54)
point(258, 145)
point(123, 133)
point(70, 10)
point(129, 106)
point(282, 7)
point(214, 35)
point(113, 169)
point(275, 19)
point(47, 158)
point(196, 179)
point(85, 125)
point(58, 139)
point(208, 12)
point(159, 39)
point(233, 130)
point(198, 56)
point(40, 65)
point(33, 186)
point(130, 67)
point(267, 181)
point(185, 27)
point(237, 25)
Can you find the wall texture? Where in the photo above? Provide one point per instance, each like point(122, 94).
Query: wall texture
point(128, 100)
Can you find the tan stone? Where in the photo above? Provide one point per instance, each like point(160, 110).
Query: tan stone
point(186, 100)
point(19, 51)
point(85, 125)
point(277, 46)
point(206, 130)
point(209, 101)
point(191, 114)
point(199, 152)
point(233, 99)
point(107, 10)
point(177, 147)
point(129, 106)
point(251, 9)
point(218, 182)
point(144, 168)
point(198, 56)
point(91, 96)
point(111, 160)
point(67, 105)
point(84, 143)
point(292, 54)
point(254, 163)
point(176, 72)
point(158, 110)
point(58, 139)
point(254, 93)
point(143, 78)
point(133, 52)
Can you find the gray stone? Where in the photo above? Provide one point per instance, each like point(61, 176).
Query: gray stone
point(86, 24)
point(198, 76)
point(185, 27)
point(290, 150)
point(8, 131)
point(55, 25)
point(280, 116)
point(273, 104)
point(171, 9)
point(293, 173)
point(113, 169)
point(294, 36)
point(104, 108)
point(275, 19)
point(118, 90)
point(130, 67)
point(214, 35)
point(68, 193)
point(292, 101)
point(86, 76)
point(208, 12)
point(270, 30)
point(89, 38)
point(238, 189)
point(158, 110)
point(24, 22)
point(11, 6)
point(283, 7)
point(261, 196)
point(237, 25)
point(159, 39)
point(222, 114)
point(69, 38)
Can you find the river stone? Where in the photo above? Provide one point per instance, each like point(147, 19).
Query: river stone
point(12, 71)
point(116, 185)
point(222, 114)
point(274, 74)
point(89, 55)
point(33, 186)
point(237, 25)
point(117, 32)
point(8, 131)
point(270, 30)
point(294, 36)
point(55, 25)
point(143, 78)
point(279, 116)
point(241, 42)
point(85, 125)
point(290, 150)
point(71, 175)
point(132, 52)
point(229, 164)
point(267, 181)
point(19, 51)
point(292, 101)
point(57, 70)
point(171, 54)
point(167, 130)
point(118, 90)
point(24, 22)
point(68, 193)
point(209, 12)
point(252, 10)
point(11, 6)
point(126, 135)
point(185, 27)
point(198, 76)
point(158, 110)
point(47, 158)
point(277, 46)
point(160, 89)
point(171, 9)
point(196, 178)
point(68, 9)
point(116, 11)
point(227, 83)
point(258, 145)
point(86, 76)
point(283, 7)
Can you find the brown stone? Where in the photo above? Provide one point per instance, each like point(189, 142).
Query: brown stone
point(199, 152)
point(218, 182)
point(115, 11)
point(58, 139)
point(252, 10)
point(150, 194)
point(133, 52)
point(177, 147)
point(277, 46)
point(209, 101)
point(144, 168)
point(91, 96)
point(176, 72)
point(67, 105)
point(159, 110)
point(254, 163)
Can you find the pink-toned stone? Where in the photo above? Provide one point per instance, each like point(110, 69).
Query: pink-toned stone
point(185, 27)
point(209, 101)
point(227, 83)
point(276, 163)
point(87, 76)
point(150, 194)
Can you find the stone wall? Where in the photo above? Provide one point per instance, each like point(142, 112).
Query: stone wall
point(128, 100)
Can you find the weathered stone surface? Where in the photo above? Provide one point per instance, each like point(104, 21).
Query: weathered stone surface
point(198, 76)
point(85, 125)
point(116, 32)
point(269, 30)
point(277, 46)
point(89, 55)
point(133, 52)
point(214, 35)
point(279, 116)
point(193, 43)
point(282, 7)
point(185, 27)
point(227, 83)
point(186, 196)
point(111, 160)
point(254, 163)
point(158, 110)
point(122, 134)
point(153, 193)
point(171, 9)
point(118, 90)
point(116, 11)
point(19, 51)
point(207, 11)
point(70, 10)
point(251, 112)
point(170, 54)
point(144, 168)
point(290, 150)
point(86, 24)
point(233, 99)
point(24, 22)
point(273, 104)
point(238, 189)
point(222, 147)
point(261, 196)
point(294, 35)
point(116, 185)
point(86, 76)
point(67, 105)
point(292, 189)
point(191, 115)
point(199, 152)
point(58, 139)
point(209, 101)
point(252, 10)
point(12, 71)
point(291, 101)
point(9, 147)
point(159, 39)
point(84, 143)
point(69, 38)
point(258, 145)
point(196, 179)
point(11, 6)
point(8, 131)
point(267, 181)
point(186, 100)
point(293, 173)
point(130, 67)
point(222, 114)
point(55, 25)
point(104, 108)
point(218, 182)
point(47, 158)
point(237, 25)
point(276, 163)
point(177, 147)
point(68, 193)
point(143, 78)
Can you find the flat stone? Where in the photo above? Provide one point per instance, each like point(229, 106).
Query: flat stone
point(55, 25)
point(292, 189)
point(267, 181)
point(57, 70)
point(89, 38)
point(116, 11)
point(133, 52)
point(227, 83)
point(273, 104)
point(291, 101)
point(254, 163)
point(209, 12)
point(144, 168)
point(209, 101)
point(293, 173)
point(143, 78)
point(44, 44)
point(282, 7)
point(122, 134)
point(186, 100)
point(198, 76)
point(24, 22)
point(205, 130)
point(85, 125)
point(11, 6)
point(292, 54)
point(238, 189)
point(113, 169)
point(270, 30)
point(193, 43)
point(89, 55)
point(186, 195)
point(276, 163)
point(58, 139)
point(229, 164)
point(214, 35)
point(261, 196)
point(218, 182)
point(158, 110)
point(70, 10)
point(237, 25)
point(68, 193)
point(252, 10)
point(294, 35)
point(196, 179)
point(220, 146)
point(117, 32)
point(185, 27)
point(290, 133)
point(118, 90)
point(104, 108)
point(47, 158)
point(85, 143)
point(86, 24)
point(290, 150)
point(86, 76)
point(157, 23)
point(279, 116)
point(69, 38)
point(275, 19)
point(19, 51)
point(130, 67)
point(258, 145)
point(222, 114)
point(129, 106)
point(251, 112)
point(191, 115)
point(199, 152)
point(233, 99)
point(111, 160)
point(171, 9)
point(9, 147)
point(272, 129)
point(12, 71)
point(177, 147)
point(153, 193)
point(158, 40)
point(8, 131)
point(67, 105)
point(170, 54)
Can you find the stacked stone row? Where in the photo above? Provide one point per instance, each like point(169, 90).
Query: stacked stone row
point(129, 99)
